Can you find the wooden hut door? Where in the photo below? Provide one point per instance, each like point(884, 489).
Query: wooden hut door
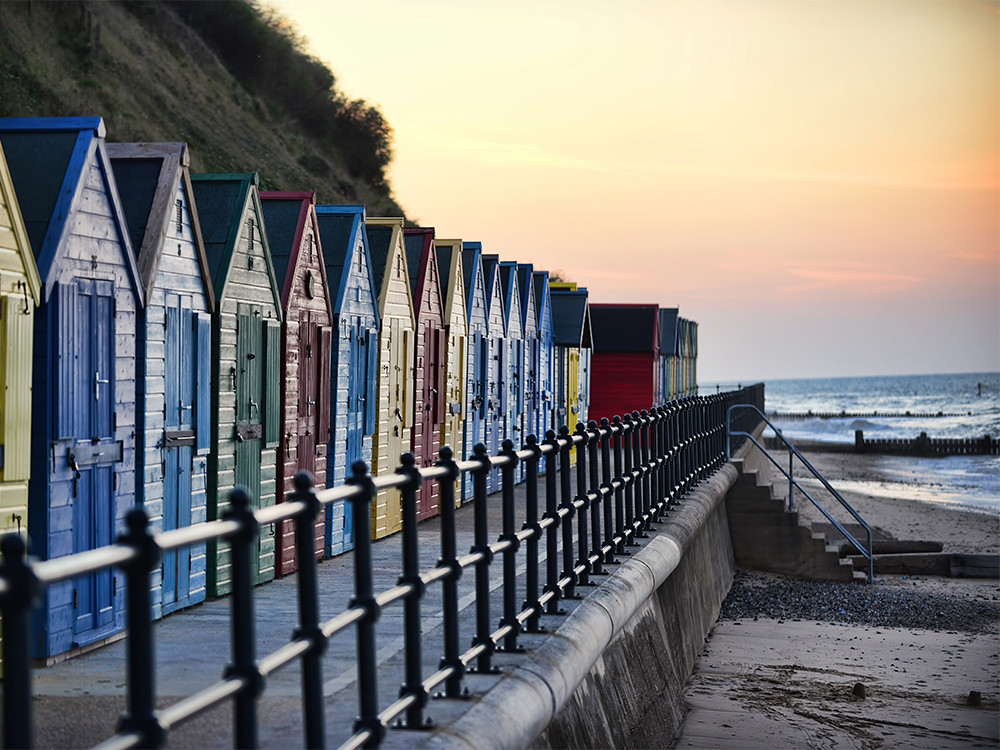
point(309, 351)
point(249, 398)
point(427, 397)
point(356, 392)
point(86, 330)
point(178, 441)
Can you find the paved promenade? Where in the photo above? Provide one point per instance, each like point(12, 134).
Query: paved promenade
point(78, 701)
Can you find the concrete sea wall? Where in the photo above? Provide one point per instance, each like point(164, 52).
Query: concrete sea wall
point(613, 674)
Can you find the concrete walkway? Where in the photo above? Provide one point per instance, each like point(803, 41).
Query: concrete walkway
point(77, 701)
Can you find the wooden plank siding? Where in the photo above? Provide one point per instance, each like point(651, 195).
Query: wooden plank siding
point(355, 330)
point(296, 250)
point(571, 325)
point(497, 366)
point(247, 306)
point(546, 356)
point(477, 340)
point(449, 254)
point(83, 375)
point(514, 369)
point(20, 293)
point(395, 364)
point(158, 203)
point(429, 354)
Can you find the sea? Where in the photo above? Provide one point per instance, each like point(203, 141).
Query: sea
point(970, 407)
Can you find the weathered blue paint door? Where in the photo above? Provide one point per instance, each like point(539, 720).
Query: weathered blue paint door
point(90, 305)
point(495, 418)
point(249, 396)
point(178, 442)
point(357, 391)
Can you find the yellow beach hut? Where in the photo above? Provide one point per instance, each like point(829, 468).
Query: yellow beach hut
point(395, 364)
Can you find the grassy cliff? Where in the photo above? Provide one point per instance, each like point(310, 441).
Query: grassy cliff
point(226, 77)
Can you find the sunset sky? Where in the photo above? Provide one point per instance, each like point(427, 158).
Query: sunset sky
point(816, 182)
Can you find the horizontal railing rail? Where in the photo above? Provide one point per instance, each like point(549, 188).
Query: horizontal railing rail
point(629, 471)
point(793, 484)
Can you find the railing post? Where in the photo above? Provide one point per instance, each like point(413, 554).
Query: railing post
point(16, 603)
point(642, 451)
point(481, 546)
point(596, 504)
point(413, 677)
point(552, 534)
point(619, 480)
point(141, 714)
point(244, 640)
point(531, 584)
point(449, 586)
point(313, 716)
point(607, 490)
point(655, 464)
point(581, 494)
point(364, 597)
point(631, 524)
point(566, 503)
point(510, 554)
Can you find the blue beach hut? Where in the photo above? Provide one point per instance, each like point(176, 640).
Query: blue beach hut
point(496, 366)
point(529, 321)
point(354, 387)
point(477, 338)
point(668, 353)
point(83, 384)
point(514, 371)
point(247, 349)
point(546, 356)
point(174, 355)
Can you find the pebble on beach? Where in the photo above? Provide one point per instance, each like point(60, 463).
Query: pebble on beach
point(878, 605)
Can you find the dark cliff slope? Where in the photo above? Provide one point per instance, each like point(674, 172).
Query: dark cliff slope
point(166, 72)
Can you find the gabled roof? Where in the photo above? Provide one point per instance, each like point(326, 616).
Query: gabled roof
point(491, 278)
point(694, 338)
point(287, 216)
point(47, 157)
point(22, 245)
point(626, 328)
point(449, 257)
point(148, 177)
point(472, 266)
point(668, 331)
point(511, 294)
point(525, 285)
point(340, 227)
point(419, 243)
point(571, 317)
point(543, 297)
point(222, 199)
point(385, 234)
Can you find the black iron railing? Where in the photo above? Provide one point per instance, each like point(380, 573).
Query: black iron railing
point(628, 473)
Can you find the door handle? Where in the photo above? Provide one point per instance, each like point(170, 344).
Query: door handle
point(97, 385)
point(254, 405)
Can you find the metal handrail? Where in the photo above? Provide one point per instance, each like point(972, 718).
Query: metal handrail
point(658, 456)
point(792, 482)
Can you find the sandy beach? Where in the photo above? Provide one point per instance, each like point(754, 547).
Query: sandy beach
point(783, 666)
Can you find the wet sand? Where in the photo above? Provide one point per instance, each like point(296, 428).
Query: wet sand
point(776, 683)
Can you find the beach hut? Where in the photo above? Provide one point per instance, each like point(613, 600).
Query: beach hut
point(692, 373)
point(429, 353)
point(668, 353)
point(83, 378)
point(514, 376)
point(246, 409)
point(571, 322)
point(546, 356)
point(307, 343)
point(174, 356)
point(395, 364)
point(626, 359)
point(497, 366)
point(353, 390)
point(532, 346)
point(20, 294)
point(449, 254)
point(476, 370)
point(683, 343)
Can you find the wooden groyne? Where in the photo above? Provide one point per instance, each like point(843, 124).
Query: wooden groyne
point(926, 446)
point(799, 416)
